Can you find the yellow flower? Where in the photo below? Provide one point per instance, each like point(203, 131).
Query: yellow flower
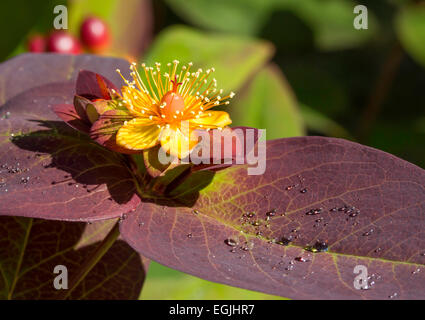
point(168, 107)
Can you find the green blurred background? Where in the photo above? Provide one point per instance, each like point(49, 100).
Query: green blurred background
point(299, 67)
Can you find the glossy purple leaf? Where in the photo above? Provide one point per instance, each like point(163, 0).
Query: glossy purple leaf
point(48, 170)
point(363, 205)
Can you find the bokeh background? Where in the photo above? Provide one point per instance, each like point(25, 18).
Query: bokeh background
point(299, 67)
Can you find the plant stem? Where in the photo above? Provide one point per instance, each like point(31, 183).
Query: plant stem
point(380, 91)
point(93, 259)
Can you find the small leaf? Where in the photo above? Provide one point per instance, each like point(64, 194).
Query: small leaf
point(32, 248)
point(92, 86)
point(364, 206)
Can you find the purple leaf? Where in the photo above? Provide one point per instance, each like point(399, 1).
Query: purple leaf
point(363, 205)
point(49, 170)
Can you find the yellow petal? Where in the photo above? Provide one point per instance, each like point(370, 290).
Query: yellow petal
point(138, 134)
point(178, 141)
point(211, 119)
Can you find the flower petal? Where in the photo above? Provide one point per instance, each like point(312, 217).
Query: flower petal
point(178, 143)
point(211, 119)
point(138, 134)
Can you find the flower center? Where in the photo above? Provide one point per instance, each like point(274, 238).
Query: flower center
point(172, 103)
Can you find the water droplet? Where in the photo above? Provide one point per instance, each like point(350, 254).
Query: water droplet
point(416, 271)
point(271, 213)
point(368, 233)
point(25, 180)
point(301, 259)
point(303, 190)
point(394, 295)
point(189, 235)
point(313, 212)
point(231, 242)
point(250, 214)
point(195, 211)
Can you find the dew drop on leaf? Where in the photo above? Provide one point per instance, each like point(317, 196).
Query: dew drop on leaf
point(368, 233)
point(271, 213)
point(301, 259)
point(231, 242)
point(393, 296)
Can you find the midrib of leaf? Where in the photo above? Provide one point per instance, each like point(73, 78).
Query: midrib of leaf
point(21, 258)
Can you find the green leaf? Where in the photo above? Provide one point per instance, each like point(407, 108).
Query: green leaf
point(268, 102)
point(239, 16)
point(410, 27)
point(331, 22)
point(234, 58)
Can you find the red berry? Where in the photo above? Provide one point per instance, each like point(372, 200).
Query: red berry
point(94, 34)
point(36, 43)
point(63, 42)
